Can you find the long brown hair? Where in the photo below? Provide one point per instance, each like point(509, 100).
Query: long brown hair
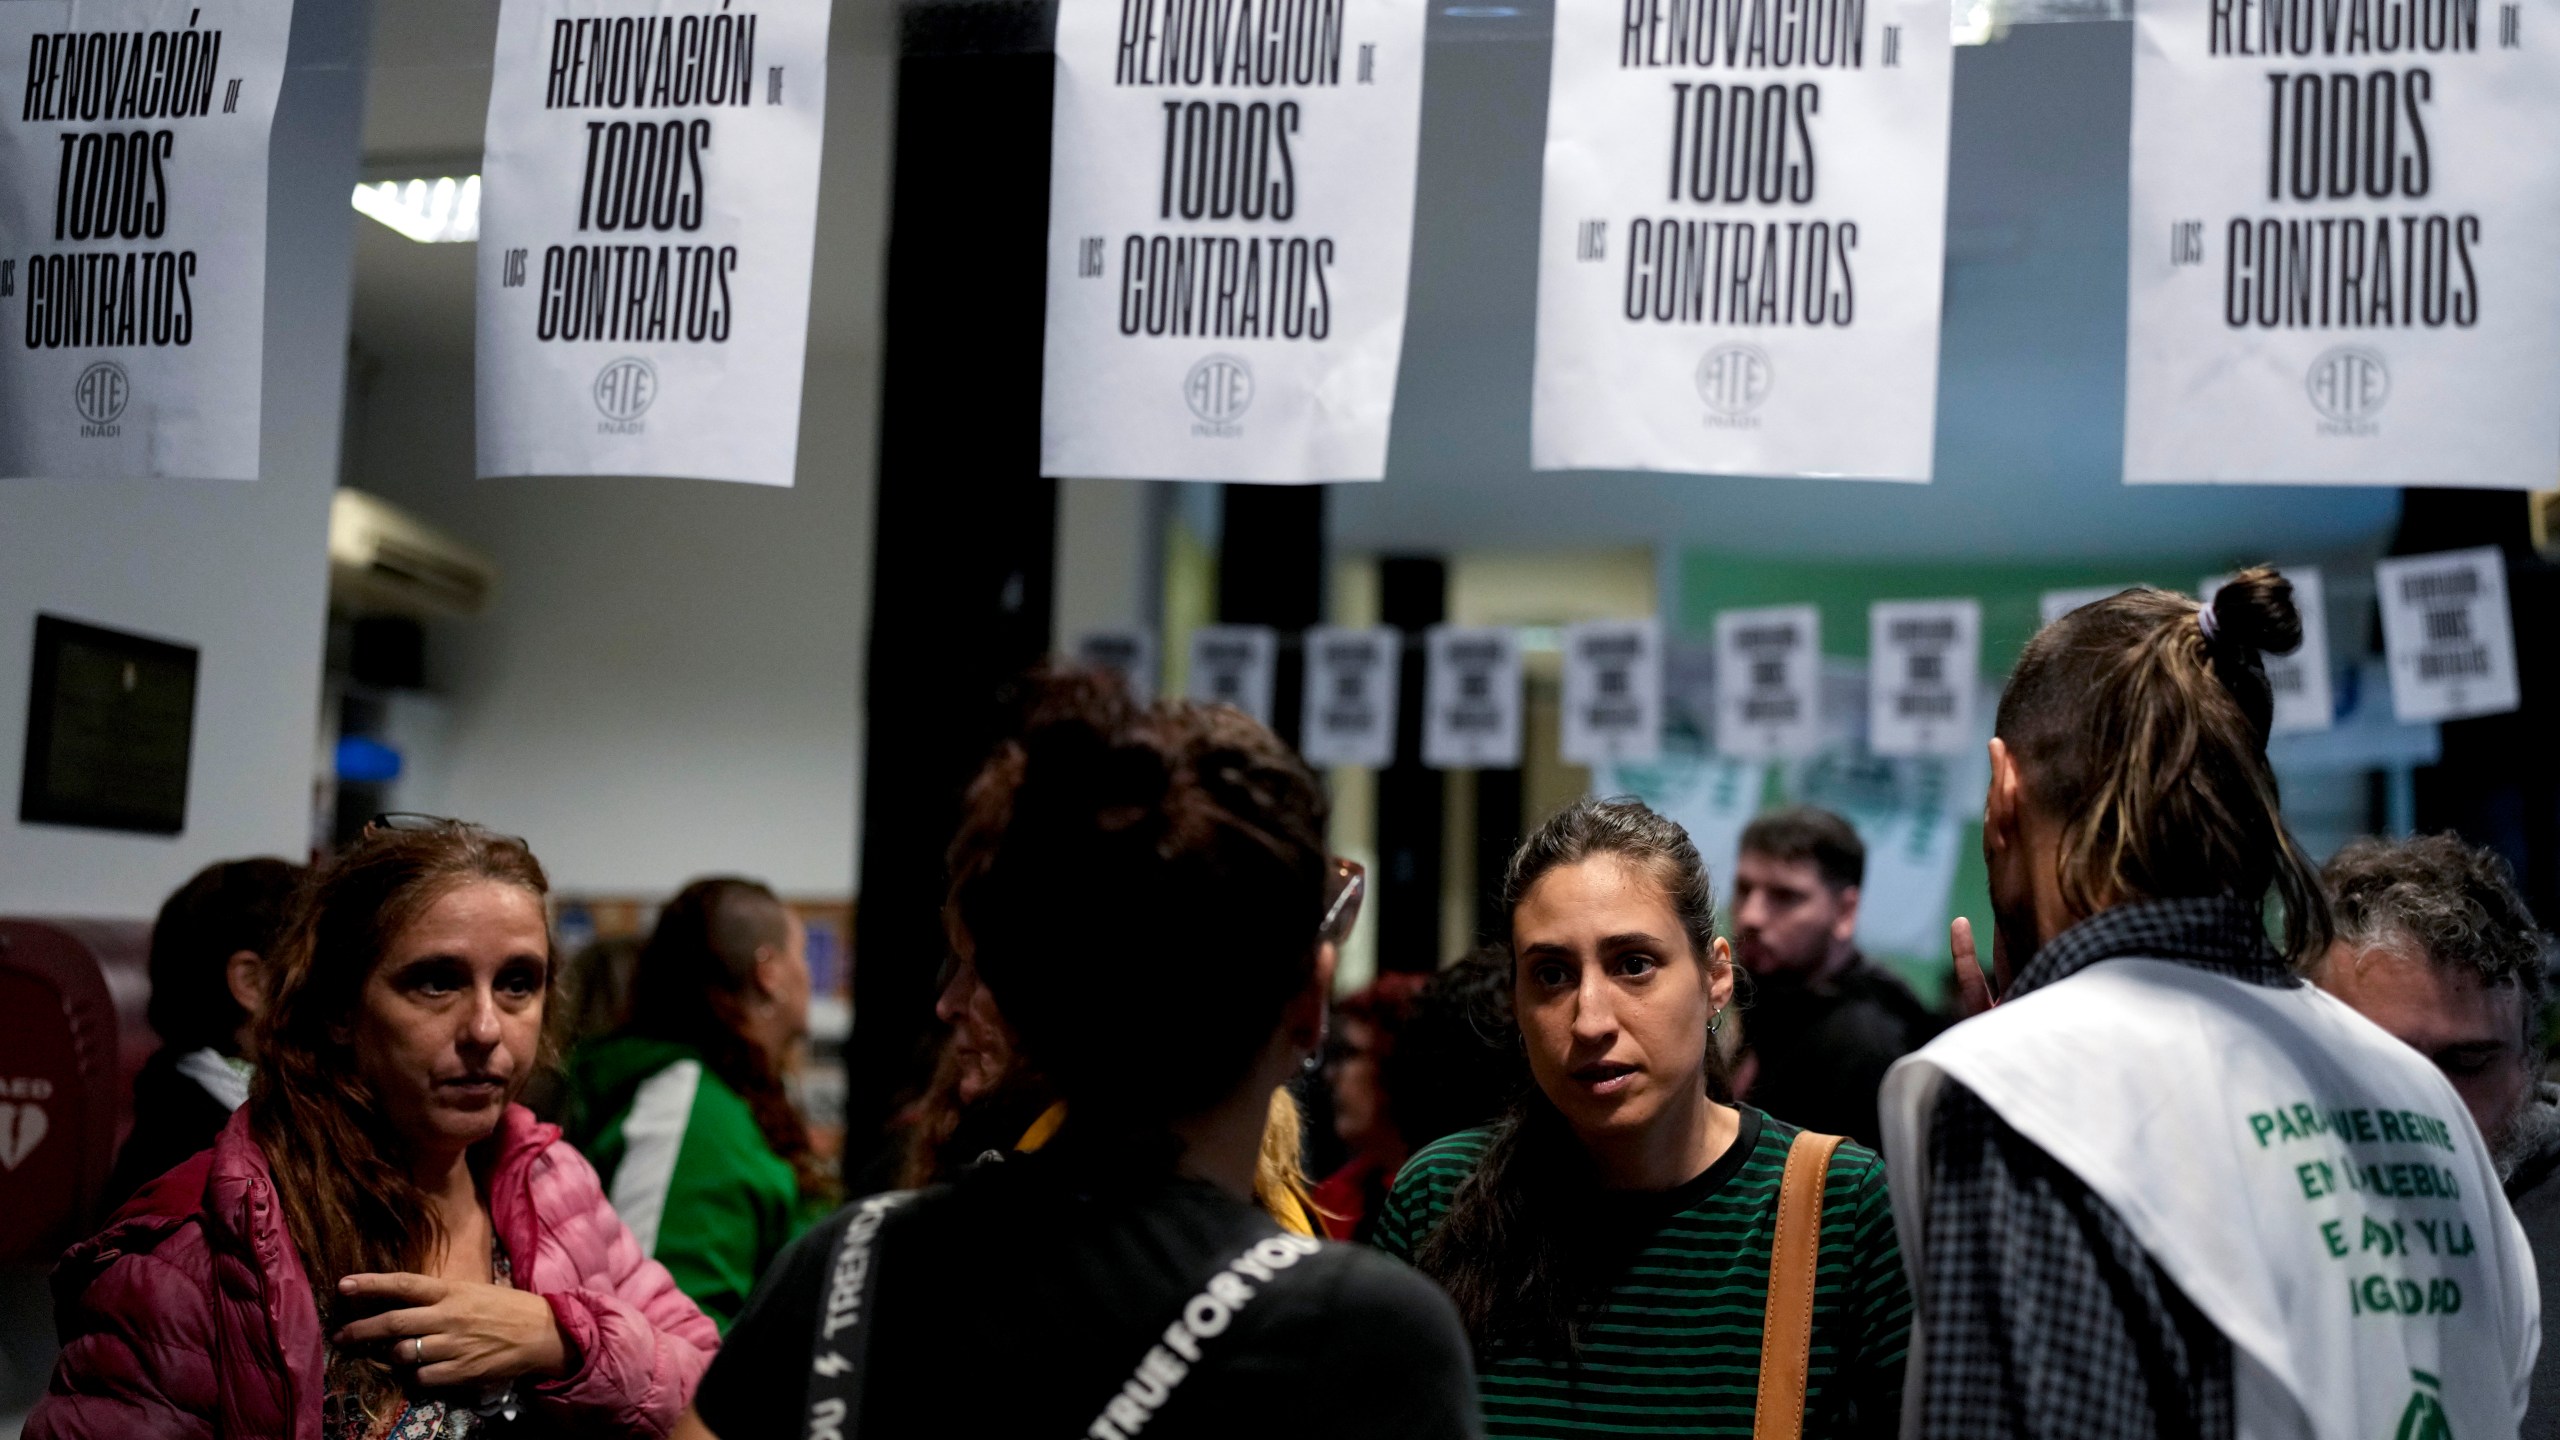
point(691, 987)
point(1515, 1249)
point(342, 1172)
point(2141, 724)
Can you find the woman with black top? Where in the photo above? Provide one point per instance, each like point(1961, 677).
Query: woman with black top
point(1611, 1242)
point(1147, 896)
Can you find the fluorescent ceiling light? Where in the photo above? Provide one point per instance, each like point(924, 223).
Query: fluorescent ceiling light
point(428, 211)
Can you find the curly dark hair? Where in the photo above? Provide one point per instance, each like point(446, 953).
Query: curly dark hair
point(2456, 901)
point(1152, 872)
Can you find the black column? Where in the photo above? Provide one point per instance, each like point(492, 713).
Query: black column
point(2499, 781)
point(963, 552)
point(1501, 796)
point(1413, 595)
point(1271, 572)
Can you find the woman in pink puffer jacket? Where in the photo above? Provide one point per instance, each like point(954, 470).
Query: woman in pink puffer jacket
point(477, 1282)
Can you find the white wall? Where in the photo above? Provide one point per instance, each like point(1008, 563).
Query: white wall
point(670, 681)
point(238, 570)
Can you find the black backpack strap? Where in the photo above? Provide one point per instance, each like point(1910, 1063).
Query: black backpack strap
point(840, 1350)
point(1187, 1341)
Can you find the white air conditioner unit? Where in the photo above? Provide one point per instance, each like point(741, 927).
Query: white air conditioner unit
point(383, 560)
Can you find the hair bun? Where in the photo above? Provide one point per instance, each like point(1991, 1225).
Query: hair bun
point(2254, 610)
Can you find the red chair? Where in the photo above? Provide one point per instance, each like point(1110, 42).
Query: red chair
point(72, 1037)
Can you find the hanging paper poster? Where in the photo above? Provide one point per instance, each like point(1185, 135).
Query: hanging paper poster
point(2342, 221)
point(1612, 691)
point(1742, 238)
point(649, 201)
point(1230, 220)
point(1471, 698)
point(2446, 629)
point(133, 234)
point(1351, 697)
point(2300, 680)
point(1768, 665)
point(1129, 654)
point(1923, 660)
point(1234, 665)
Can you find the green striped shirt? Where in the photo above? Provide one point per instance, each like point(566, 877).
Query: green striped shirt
point(1672, 1347)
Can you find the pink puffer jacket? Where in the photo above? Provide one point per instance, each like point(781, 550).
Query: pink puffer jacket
point(189, 1315)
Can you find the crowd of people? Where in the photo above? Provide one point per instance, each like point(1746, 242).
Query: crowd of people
point(2220, 1143)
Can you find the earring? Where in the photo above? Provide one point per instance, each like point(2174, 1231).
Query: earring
point(1715, 1022)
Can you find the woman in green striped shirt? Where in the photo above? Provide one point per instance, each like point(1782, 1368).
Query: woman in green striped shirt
point(1608, 1243)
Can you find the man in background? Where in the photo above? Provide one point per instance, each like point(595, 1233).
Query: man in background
point(1823, 1024)
point(2436, 946)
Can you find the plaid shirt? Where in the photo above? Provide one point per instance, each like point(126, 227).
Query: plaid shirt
point(2044, 1316)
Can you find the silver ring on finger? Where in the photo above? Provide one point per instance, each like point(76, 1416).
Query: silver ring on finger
point(418, 1350)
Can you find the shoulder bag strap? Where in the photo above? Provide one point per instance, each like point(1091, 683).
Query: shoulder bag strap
point(839, 1350)
point(1186, 1342)
point(1795, 1251)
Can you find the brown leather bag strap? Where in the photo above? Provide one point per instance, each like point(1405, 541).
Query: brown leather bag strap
point(1795, 1252)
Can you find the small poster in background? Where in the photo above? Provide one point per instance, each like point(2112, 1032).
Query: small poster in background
point(1230, 230)
point(2054, 604)
point(1923, 660)
point(1612, 691)
point(1129, 654)
point(1743, 238)
point(2342, 225)
point(1235, 665)
point(133, 234)
point(2446, 630)
point(649, 204)
point(1472, 699)
point(2300, 680)
point(1768, 670)
point(1351, 696)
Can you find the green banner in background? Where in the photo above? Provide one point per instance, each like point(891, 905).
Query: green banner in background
point(1921, 819)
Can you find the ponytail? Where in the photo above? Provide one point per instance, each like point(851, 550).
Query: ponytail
point(2141, 724)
